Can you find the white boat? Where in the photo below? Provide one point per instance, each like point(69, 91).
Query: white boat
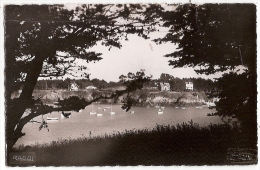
point(183, 108)
point(198, 107)
point(111, 112)
point(132, 112)
point(177, 107)
point(52, 118)
point(34, 121)
point(62, 116)
point(92, 112)
point(80, 110)
point(99, 114)
point(160, 112)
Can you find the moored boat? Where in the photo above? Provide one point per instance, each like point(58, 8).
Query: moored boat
point(111, 111)
point(92, 112)
point(160, 112)
point(52, 118)
point(99, 114)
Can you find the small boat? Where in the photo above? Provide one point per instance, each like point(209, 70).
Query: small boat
point(99, 115)
point(104, 109)
point(132, 112)
point(177, 107)
point(160, 112)
point(80, 110)
point(198, 107)
point(183, 108)
point(34, 121)
point(92, 113)
point(52, 118)
point(63, 117)
point(111, 112)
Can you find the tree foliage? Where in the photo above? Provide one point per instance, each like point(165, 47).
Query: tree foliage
point(218, 37)
point(56, 36)
point(212, 37)
point(46, 40)
point(237, 99)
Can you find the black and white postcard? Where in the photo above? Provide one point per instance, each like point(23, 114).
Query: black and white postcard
point(129, 84)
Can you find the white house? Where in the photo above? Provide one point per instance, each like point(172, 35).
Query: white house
point(189, 85)
point(91, 87)
point(73, 87)
point(165, 86)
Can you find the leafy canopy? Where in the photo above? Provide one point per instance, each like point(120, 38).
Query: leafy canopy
point(212, 37)
point(58, 36)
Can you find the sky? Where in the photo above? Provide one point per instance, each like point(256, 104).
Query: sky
point(136, 54)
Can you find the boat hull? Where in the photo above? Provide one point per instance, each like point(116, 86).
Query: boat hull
point(99, 115)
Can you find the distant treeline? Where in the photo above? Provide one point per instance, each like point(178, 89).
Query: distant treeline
point(176, 84)
point(82, 84)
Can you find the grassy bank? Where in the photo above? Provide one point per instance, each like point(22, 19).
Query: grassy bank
point(185, 144)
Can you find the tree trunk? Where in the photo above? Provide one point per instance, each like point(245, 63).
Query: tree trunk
point(15, 108)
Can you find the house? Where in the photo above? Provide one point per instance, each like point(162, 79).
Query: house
point(189, 85)
point(91, 88)
point(165, 86)
point(73, 87)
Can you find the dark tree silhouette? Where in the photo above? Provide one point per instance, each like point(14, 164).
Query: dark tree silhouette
point(45, 40)
point(212, 37)
point(218, 37)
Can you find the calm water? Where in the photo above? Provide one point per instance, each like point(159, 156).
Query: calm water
point(81, 123)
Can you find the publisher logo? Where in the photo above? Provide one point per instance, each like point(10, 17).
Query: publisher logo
point(242, 156)
point(22, 158)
